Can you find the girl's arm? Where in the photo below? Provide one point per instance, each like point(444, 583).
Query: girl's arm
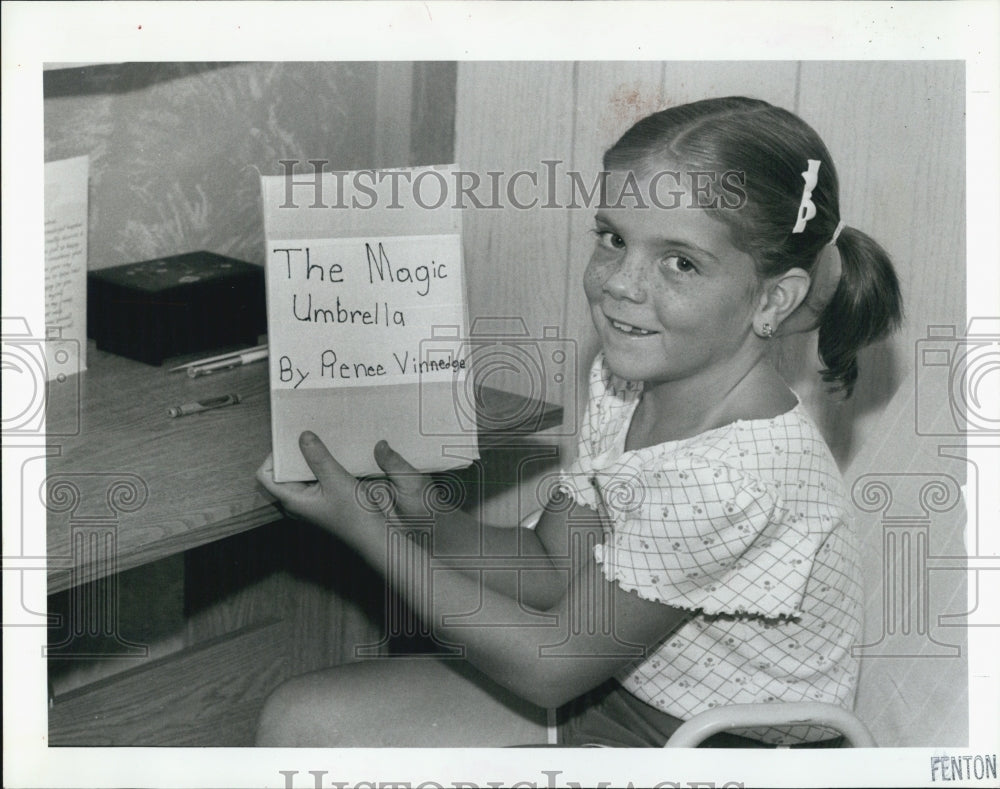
point(538, 556)
point(596, 628)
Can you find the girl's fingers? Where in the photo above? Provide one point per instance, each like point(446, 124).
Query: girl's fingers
point(265, 474)
point(408, 483)
point(329, 473)
point(407, 479)
point(266, 468)
point(390, 461)
point(331, 502)
point(280, 490)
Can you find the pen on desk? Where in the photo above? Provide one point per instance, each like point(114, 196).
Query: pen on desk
point(231, 361)
point(219, 358)
point(203, 405)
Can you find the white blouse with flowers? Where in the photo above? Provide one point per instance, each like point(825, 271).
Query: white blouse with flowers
point(746, 525)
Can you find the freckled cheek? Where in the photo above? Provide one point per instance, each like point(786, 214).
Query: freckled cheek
point(594, 278)
point(703, 314)
point(674, 306)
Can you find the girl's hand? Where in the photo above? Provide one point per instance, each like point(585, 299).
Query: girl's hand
point(411, 493)
point(334, 501)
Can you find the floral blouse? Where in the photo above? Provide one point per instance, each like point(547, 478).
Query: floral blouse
point(746, 525)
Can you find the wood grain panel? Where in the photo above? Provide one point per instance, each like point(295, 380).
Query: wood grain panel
point(290, 571)
point(198, 479)
point(209, 694)
point(896, 133)
point(511, 117)
point(432, 114)
point(393, 100)
point(912, 692)
point(773, 81)
point(146, 609)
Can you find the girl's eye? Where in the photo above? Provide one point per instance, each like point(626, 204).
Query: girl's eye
point(609, 240)
point(679, 263)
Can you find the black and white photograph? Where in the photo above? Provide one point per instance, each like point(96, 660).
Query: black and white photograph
point(500, 394)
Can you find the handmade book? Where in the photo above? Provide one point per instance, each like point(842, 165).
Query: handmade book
point(367, 318)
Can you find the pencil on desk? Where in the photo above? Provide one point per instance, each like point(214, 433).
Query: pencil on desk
point(219, 358)
point(226, 363)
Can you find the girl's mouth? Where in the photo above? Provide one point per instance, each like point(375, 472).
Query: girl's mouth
point(628, 328)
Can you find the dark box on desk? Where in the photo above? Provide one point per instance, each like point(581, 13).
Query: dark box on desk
point(188, 303)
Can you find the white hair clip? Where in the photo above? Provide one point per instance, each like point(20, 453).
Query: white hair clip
point(807, 209)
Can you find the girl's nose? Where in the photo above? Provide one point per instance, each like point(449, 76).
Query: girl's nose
point(627, 281)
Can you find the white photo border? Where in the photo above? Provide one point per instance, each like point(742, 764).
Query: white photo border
point(49, 33)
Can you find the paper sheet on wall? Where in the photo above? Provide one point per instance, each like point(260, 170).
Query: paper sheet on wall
point(66, 266)
point(366, 322)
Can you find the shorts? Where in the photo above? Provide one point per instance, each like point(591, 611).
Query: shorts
point(610, 716)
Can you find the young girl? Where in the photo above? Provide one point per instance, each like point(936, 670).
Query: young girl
point(722, 566)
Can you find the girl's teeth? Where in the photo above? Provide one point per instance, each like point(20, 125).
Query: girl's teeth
point(629, 329)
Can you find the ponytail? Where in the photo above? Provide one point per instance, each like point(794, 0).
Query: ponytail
point(866, 306)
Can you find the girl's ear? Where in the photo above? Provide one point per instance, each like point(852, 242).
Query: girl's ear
point(779, 299)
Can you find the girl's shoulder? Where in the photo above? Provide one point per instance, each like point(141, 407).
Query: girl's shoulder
point(791, 433)
point(773, 448)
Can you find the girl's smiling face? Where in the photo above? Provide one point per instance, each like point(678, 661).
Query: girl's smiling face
point(671, 297)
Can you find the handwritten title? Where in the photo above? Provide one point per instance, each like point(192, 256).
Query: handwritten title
point(365, 307)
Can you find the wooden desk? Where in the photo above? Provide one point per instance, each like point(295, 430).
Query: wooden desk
point(195, 474)
point(132, 491)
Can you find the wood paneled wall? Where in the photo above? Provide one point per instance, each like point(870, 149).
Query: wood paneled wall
point(896, 132)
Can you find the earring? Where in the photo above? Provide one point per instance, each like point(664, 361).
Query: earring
point(767, 331)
